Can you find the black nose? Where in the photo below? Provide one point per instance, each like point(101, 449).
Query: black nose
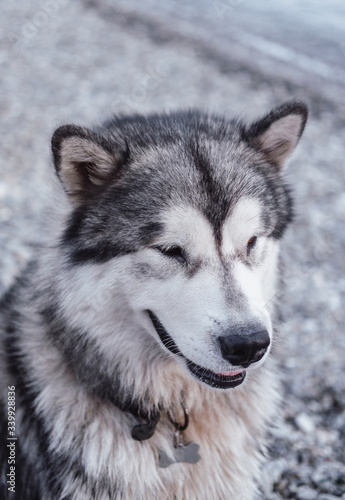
point(244, 348)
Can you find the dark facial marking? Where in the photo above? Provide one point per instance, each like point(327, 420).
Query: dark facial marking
point(217, 204)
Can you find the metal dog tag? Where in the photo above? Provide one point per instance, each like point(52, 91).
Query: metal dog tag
point(188, 453)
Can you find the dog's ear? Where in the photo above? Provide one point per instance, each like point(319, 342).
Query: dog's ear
point(278, 133)
point(84, 160)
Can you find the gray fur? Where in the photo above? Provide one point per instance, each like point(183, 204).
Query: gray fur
point(158, 212)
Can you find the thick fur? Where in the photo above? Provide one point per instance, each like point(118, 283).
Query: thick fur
point(160, 217)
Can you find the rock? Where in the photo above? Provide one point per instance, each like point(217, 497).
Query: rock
point(325, 436)
point(306, 493)
point(305, 423)
point(271, 474)
point(329, 497)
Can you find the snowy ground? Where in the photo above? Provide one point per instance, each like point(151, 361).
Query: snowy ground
point(64, 61)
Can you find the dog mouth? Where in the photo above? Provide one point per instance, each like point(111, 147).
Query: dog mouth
point(223, 380)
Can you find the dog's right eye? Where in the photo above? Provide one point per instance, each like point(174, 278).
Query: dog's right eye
point(174, 252)
point(251, 244)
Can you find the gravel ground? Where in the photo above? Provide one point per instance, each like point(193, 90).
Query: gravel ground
point(65, 61)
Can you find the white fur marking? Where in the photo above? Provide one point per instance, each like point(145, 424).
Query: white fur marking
point(243, 223)
point(187, 227)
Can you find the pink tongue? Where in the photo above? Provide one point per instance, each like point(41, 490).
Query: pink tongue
point(230, 374)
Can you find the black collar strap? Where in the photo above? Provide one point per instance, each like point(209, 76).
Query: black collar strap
point(147, 427)
point(148, 419)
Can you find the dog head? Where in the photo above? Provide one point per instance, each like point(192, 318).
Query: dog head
point(192, 208)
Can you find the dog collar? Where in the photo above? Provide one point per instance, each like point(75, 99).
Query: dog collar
point(181, 452)
point(147, 426)
point(149, 420)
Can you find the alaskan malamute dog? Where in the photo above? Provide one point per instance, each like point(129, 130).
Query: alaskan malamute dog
point(135, 348)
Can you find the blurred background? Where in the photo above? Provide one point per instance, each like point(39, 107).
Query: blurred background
point(79, 61)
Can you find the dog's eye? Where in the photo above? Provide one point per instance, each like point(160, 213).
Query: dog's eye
point(175, 253)
point(251, 243)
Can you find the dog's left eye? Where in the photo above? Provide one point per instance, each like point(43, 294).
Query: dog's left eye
point(174, 252)
point(251, 243)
